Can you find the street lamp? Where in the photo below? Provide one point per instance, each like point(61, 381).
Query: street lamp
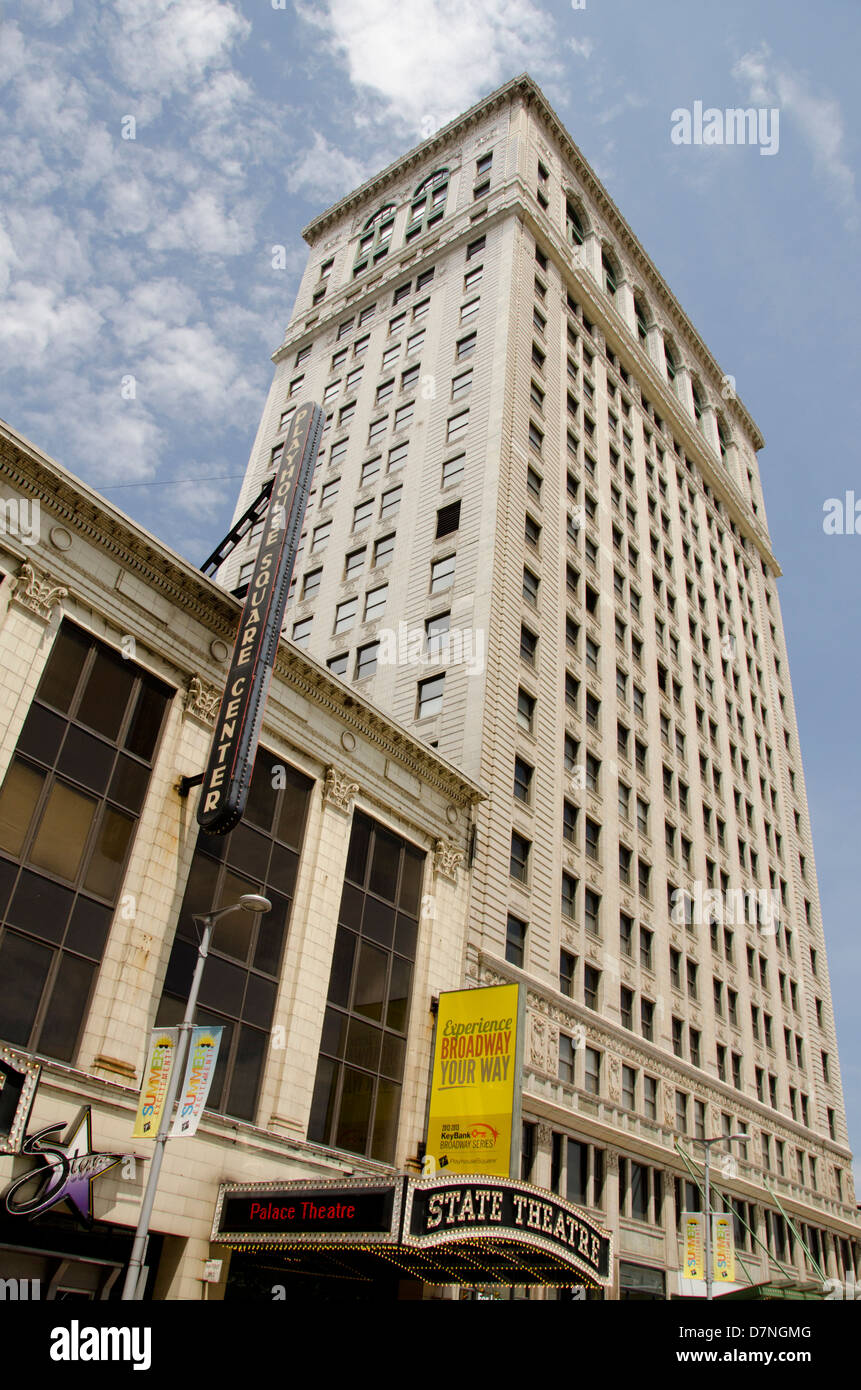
point(249, 902)
point(707, 1145)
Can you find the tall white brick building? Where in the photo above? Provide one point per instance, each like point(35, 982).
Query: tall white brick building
point(537, 537)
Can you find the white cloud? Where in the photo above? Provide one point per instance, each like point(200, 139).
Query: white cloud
point(772, 83)
point(324, 172)
point(584, 48)
point(167, 46)
point(431, 61)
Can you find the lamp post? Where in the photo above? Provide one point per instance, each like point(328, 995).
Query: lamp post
point(707, 1145)
point(249, 902)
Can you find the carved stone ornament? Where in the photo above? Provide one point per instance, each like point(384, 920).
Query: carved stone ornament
point(338, 791)
point(611, 1160)
point(446, 859)
point(538, 1043)
point(202, 700)
point(543, 1134)
point(614, 1077)
point(38, 594)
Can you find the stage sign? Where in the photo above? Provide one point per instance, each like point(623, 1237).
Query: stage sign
point(333, 1212)
point(240, 718)
point(474, 1117)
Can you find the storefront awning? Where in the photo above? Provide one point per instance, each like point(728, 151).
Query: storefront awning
point(456, 1229)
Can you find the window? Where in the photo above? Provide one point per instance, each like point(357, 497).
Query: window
point(390, 502)
point(528, 645)
point(519, 861)
point(457, 426)
point(525, 710)
point(403, 416)
point(472, 278)
point(532, 532)
point(357, 1093)
point(384, 548)
point(569, 895)
point(647, 1019)
point(362, 515)
point(626, 1009)
point(370, 471)
point(522, 780)
point(466, 346)
point(650, 1097)
point(374, 241)
point(567, 968)
point(329, 491)
point(470, 309)
point(448, 521)
point(567, 1056)
point(430, 697)
point(69, 808)
point(442, 574)
point(592, 911)
point(320, 536)
point(428, 204)
point(645, 948)
point(345, 615)
point(375, 602)
point(397, 457)
point(452, 470)
point(592, 1071)
point(436, 631)
point(475, 247)
point(311, 584)
point(338, 664)
point(574, 227)
point(593, 838)
point(515, 940)
point(366, 660)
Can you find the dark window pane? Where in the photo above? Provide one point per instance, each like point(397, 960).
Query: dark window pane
point(399, 995)
point(363, 1044)
point(27, 964)
point(270, 936)
point(260, 807)
point(40, 906)
point(370, 990)
point(378, 922)
point(342, 968)
point(41, 735)
point(411, 882)
point(352, 902)
point(355, 1111)
point(63, 668)
point(88, 929)
point(129, 784)
point(334, 1033)
point(86, 759)
point(384, 869)
point(259, 1003)
point(247, 1068)
point(386, 1120)
point(213, 845)
point(63, 831)
point(199, 894)
point(18, 798)
point(67, 1007)
point(106, 694)
point(357, 855)
point(180, 969)
point(222, 986)
point(294, 804)
point(248, 851)
point(323, 1104)
point(146, 721)
point(392, 1059)
point(282, 871)
point(109, 853)
point(232, 935)
point(405, 936)
point(8, 873)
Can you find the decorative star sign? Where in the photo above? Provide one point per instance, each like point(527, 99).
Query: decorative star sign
point(71, 1169)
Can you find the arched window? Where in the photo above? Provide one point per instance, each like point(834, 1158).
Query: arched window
point(610, 274)
point(428, 205)
point(699, 403)
point(575, 229)
point(642, 315)
point(375, 238)
point(672, 363)
point(724, 438)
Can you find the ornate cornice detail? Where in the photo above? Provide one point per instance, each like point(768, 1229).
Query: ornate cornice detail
point(339, 791)
point(37, 591)
point(202, 700)
point(447, 859)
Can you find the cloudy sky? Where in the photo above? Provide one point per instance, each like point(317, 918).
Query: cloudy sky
point(139, 306)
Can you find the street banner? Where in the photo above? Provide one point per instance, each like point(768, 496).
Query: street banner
point(202, 1057)
point(723, 1249)
point(693, 1226)
point(161, 1056)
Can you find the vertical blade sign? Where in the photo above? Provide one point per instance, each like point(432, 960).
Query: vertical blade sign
point(240, 718)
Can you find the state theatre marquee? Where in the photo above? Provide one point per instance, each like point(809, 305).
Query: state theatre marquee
point(443, 1230)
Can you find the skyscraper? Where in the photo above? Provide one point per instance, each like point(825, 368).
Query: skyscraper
point(537, 539)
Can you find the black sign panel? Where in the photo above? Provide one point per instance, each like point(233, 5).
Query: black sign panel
point(506, 1211)
point(19, 1078)
point(327, 1211)
point(240, 718)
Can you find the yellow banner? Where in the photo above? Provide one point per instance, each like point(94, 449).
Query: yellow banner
point(694, 1229)
point(723, 1249)
point(159, 1065)
point(474, 1080)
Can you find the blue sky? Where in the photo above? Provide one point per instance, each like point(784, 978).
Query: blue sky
point(151, 258)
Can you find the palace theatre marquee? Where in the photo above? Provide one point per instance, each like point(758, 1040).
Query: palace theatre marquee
point(458, 1229)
